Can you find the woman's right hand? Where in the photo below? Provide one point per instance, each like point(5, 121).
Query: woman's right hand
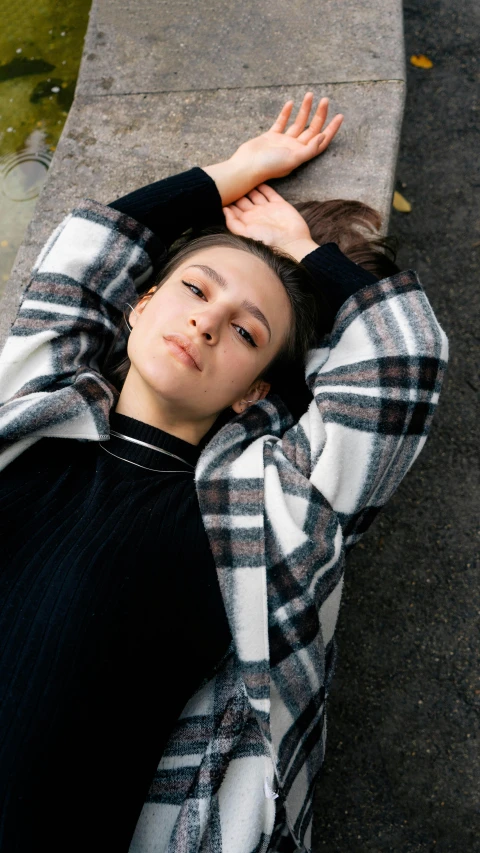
point(264, 215)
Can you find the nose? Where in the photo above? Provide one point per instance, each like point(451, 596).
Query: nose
point(207, 323)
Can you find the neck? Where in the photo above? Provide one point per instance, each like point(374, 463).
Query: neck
point(138, 402)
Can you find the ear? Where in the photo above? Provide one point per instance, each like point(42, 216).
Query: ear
point(140, 306)
point(257, 391)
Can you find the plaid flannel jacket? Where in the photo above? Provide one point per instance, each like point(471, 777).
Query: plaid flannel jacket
point(281, 503)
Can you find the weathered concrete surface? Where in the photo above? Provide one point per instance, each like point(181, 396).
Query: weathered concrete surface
point(166, 86)
point(157, 45)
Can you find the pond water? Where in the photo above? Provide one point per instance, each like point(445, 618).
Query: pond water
point(41, 44)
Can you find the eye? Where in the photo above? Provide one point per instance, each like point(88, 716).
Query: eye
point(194, 289)
point(245, 335)
point(239, 329)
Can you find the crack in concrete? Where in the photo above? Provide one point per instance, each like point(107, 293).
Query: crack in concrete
point(238, 88)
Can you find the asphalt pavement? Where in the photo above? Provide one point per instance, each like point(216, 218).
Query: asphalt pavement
point(402, 764)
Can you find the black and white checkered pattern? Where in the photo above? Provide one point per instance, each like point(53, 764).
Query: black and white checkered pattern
point(281, 503)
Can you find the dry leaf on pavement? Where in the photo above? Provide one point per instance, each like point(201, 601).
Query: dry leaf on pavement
point(419, 60)
point(400, 203)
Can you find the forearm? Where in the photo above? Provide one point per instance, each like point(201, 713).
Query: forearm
point(336, 276)
point(171, 206)
point(233, 180)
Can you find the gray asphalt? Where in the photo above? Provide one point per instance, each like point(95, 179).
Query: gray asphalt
point(402, 767)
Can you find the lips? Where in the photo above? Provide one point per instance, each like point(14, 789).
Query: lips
point(184, 350)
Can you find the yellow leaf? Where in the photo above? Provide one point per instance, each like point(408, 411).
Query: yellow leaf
point(400, 203)
point(419, 60)
point(4, 244)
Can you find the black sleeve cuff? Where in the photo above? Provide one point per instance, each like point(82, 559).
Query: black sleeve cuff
point(336, 275)
point(171, 206)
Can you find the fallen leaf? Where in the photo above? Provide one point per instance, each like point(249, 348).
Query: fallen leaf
point(400, 203)
point(419, 60)
point(4, 244)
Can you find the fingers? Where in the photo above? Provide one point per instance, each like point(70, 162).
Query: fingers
point(234, 224)
point(257, 197)
point(321, 141)
point(280, 123)
point(269, 193)
point(263, 194)
point(299, 130)
point(260, 196)
point(316, 123)
point(330, 131)
point(302, 116)
point(244, 204)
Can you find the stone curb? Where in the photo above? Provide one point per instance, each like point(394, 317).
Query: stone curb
point(164, 86)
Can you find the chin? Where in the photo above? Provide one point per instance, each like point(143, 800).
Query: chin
point(179, 389)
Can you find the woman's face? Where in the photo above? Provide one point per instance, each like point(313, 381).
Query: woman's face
point(201, 340)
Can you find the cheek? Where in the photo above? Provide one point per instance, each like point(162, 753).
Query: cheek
point(143, 343)
point(235, 370)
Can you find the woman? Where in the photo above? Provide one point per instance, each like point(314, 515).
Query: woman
point(114, 536)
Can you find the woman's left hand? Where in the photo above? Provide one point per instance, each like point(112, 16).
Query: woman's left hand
point(280, 150)
point(277, 152)
point(264, 215)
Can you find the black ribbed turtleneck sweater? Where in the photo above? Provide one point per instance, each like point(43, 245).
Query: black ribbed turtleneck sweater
point(111, 616)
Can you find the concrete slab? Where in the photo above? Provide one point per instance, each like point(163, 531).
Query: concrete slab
point(160, 46)
point(111, 145)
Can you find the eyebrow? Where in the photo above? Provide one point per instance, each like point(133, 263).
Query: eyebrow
point(252, 309)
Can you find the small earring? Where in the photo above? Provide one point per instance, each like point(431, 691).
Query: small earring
point(124, 317)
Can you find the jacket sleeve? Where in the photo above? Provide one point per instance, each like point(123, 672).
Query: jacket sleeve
point(375, 387)
point(82, 283)
point(375, 384)
point(171, 206)
point(49, 368)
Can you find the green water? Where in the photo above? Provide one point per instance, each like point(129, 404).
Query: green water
point(41, 44)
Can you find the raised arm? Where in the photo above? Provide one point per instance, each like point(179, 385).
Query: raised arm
point(195, 198)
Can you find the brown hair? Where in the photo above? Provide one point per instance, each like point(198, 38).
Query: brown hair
point(355, 228)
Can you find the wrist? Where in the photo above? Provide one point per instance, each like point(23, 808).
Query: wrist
point(299, 248)
point(233, 179)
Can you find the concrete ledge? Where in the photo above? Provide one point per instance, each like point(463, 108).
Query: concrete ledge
point(162, 90)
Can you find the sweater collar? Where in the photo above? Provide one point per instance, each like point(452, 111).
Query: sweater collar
point(150, 435)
